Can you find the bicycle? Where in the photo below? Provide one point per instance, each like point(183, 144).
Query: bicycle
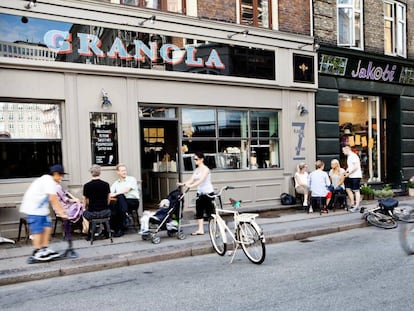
point(246, 233)
point(379, 217)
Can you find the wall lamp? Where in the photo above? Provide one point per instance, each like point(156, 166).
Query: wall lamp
point(315, 47)
point(106, 103)
point(302, 110)
point(244, 33)
point(31, 4)
point(151, 19)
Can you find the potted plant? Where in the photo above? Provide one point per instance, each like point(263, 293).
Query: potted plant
point(367, 192)
point(385, 192)
point(410, 186)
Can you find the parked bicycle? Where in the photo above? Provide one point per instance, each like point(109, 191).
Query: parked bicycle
point(380, 216)
point(246, 232)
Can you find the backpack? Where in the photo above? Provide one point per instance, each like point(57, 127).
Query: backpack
point(287, 199)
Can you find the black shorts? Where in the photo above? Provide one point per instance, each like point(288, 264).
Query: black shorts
point(204, 206)
point(352, 183)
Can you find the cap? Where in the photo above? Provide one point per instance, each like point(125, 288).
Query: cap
point(57, 168)
point(165, 203)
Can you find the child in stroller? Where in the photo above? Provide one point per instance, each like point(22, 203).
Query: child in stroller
point(167, 217)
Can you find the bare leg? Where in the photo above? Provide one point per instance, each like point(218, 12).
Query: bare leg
point(350, 196)
point(37, 240)
point(357, 197)
point(45, 236)
point(200, 225)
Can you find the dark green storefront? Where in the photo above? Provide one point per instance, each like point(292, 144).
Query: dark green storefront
point(353, 85)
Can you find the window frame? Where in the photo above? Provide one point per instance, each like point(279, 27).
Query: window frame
point(352, 24)
point(397, 48)
point(256, 14)
point(164, 5)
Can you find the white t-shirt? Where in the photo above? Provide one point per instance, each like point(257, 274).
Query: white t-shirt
point(36, 199)
point(353, 161)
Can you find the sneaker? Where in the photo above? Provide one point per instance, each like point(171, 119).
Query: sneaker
point(305, 203)
point(310, 209)
point(40, 255)
point(354, 209)
point(143, 232)
point(50, 252)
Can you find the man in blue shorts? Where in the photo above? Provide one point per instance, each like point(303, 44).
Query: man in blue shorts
point(35, 204)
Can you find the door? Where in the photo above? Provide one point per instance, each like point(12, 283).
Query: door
point(159, 154)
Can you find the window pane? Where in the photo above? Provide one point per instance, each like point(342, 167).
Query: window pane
point(232, 155)
point(344, 26)
point(388, 38)
point(44, 118)
point(263, 125)
point(175, 6)
point(28, 159)
point(198, 123)
point(232, 123)
point(247, 9)
point(263, 13)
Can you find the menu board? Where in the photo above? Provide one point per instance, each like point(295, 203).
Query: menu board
point(104, 138)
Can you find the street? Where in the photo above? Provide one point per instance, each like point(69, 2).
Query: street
point(362, 269)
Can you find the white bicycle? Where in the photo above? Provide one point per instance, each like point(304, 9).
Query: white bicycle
point(246, 233)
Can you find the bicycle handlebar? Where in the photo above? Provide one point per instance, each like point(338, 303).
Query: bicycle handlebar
point(218, 194)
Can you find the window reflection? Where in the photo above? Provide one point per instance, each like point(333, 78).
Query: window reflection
point(239, 144)
point(95, 45)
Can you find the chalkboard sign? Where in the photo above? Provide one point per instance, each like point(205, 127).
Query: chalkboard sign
point(104, 138)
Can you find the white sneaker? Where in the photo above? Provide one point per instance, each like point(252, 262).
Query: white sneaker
point(41, 255)
point(305, 203)
point(50, 253)
point(310, 209)
point(354, 209)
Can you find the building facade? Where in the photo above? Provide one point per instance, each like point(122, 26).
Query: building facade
point(148, 83)
point(365, 95)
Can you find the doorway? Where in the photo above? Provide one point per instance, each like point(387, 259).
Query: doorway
point(159, 154)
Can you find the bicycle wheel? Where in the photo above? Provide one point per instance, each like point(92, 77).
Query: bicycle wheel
point(407, 236)
point(216, 237)
point(382, 221)
point(251, 242)
point(404, 213)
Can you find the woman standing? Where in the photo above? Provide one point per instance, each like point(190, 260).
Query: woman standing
point(201, 179)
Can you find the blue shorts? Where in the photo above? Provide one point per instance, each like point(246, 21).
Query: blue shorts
point(37, 223)
point(353, 183)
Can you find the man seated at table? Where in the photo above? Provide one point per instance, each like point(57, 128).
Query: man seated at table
point(96, 197)
point(125, 190)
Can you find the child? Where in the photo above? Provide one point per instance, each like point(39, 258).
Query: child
point(159, 215)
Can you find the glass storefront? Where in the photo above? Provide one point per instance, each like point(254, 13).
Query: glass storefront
point(361, 120)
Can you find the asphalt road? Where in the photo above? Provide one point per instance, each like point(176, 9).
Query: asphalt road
point(362, 269)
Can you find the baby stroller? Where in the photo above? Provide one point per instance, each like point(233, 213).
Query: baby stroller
point(167, 217)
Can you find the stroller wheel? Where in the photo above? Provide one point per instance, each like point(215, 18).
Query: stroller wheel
point(155, 239)
point(181, 236)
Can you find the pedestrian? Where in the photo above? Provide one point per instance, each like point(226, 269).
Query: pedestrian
point(301, 182)
point(125, 190)
point(337, 177)
point(96, 197)
point(353, 175)
point(201, 179)
point(318, 186)
point(35, 204)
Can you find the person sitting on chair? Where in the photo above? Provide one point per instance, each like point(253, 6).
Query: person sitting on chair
point(125, 190)
point(96, 197)
point(318, 185)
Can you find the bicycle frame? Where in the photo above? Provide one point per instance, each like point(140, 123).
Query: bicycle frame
point(237, 219)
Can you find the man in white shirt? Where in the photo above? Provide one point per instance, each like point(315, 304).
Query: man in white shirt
point(125, 190)
point(353, 177)
point(35, 204)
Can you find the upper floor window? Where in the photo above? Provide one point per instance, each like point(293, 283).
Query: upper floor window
point(394, 28)
point(176, 6)
point(350, 32)
point(256, 13)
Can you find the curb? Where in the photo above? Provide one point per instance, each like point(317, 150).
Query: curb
point(84, 265)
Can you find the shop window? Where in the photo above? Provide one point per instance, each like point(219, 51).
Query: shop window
point(176, 6)
point(237, 139)
point(394, 28)
point(255, 13)
point(28, 148)
point(361, 128)
point(350, 29)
